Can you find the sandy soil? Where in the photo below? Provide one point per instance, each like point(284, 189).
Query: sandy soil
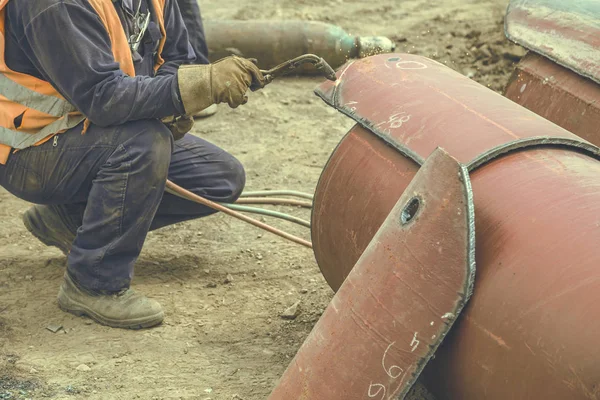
point(224, 340)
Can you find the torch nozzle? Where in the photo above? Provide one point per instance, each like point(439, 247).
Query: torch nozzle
point(284, 68)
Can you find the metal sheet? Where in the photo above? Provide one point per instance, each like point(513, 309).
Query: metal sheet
point(557, 94)
point(527, 332)
point(410, 85)
point(567, 32)
point(401, 298)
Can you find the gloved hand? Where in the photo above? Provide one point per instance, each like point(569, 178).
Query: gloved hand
point(178, 126)
point(225, 81)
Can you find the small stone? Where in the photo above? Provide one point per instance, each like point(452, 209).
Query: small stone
point(208, 390)
point(254, 274)
point(29, 277)
point(303, 291)
point(228, 279)
point(211, 285)
point(83, 368)
point(259, 256)
point(33, 371)
point(54, 328)
point(207, 271)
point(88, 322)
point(473, 34)
point(486, 51)
point(70, 389)
point(291, 312)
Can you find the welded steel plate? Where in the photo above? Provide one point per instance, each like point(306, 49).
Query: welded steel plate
point(400, 299)
point(565, 31)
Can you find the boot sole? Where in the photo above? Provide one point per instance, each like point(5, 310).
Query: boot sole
point(31, 228)
point(73, 307)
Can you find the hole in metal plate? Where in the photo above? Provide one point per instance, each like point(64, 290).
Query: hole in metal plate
point(410, 210)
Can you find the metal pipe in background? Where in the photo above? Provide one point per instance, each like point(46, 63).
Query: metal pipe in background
point(274, 42)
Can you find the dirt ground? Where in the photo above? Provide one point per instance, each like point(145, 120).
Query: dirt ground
point(222, 340)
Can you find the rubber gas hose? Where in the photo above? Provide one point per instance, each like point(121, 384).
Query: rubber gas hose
point(179, 191)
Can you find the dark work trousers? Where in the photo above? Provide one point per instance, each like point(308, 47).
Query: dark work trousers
point(190, 11)
point(111, 181)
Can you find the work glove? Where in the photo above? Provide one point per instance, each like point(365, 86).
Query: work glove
point(225, 81)
point(178, 126)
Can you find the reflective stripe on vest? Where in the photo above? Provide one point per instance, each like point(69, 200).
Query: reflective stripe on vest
point(37, 107)
point(22, 140)
point(50, 105)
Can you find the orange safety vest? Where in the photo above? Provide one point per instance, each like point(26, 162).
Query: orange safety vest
point(40, 111)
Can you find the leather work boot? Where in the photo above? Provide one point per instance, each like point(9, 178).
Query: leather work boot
point(51, 226)
point(124, 309)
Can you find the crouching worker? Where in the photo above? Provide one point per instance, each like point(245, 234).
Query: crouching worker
point(85, 86)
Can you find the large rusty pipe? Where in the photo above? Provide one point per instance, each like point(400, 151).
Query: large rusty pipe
point(531, 328)
point(557, 94)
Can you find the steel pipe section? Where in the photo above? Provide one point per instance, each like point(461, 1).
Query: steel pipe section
point(531, 329)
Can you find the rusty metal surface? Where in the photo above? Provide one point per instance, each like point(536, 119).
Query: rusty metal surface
point(567, 32)
point(401, 298)
point(411, 84)
point(527, 332)
point(557, 94)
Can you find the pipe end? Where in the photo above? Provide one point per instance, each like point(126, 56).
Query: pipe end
point(372, 45)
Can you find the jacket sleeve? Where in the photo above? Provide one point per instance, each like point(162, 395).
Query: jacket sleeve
point(177, 48)
point(69, 45)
